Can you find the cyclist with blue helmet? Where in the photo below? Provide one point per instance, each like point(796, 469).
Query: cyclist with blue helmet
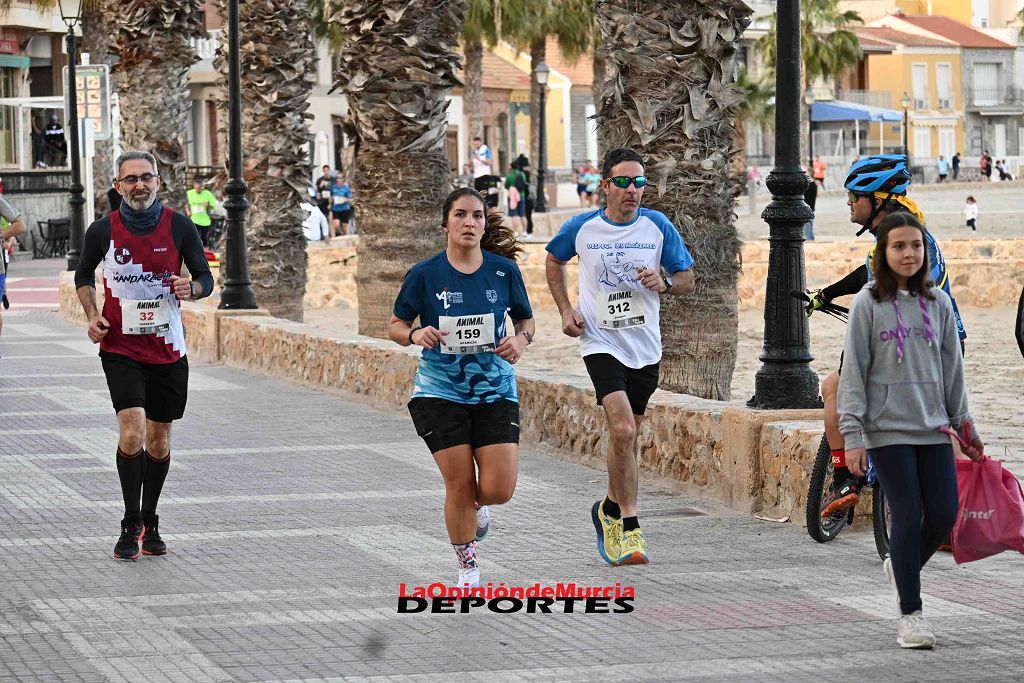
point(876, 187)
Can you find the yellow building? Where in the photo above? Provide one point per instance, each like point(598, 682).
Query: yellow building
point(923, 72)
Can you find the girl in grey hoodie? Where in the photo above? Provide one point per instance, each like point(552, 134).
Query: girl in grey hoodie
point(902, 381)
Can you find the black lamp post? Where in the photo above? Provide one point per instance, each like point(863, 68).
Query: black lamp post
point(809, 99)
point(237, 291)
point(541, 205)
point(71, 13)
point(786, 379)
point(905, 101)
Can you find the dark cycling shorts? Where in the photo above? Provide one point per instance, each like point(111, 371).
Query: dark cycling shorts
point(610, 375)
point(444, 424)
point(160, 388)
point(343, 215)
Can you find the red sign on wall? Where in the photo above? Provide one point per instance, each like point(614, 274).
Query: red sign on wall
point(8, 46)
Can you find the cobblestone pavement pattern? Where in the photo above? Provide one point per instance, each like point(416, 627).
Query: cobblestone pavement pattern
point(292, 516)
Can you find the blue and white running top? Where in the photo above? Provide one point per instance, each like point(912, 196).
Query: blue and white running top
point(473, 308)
point(620, 316)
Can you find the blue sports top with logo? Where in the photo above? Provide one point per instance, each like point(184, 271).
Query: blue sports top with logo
point(610, 254)
point(472, 307)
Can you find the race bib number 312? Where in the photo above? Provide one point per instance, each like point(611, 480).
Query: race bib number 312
point(145, 317)
point(619, 309)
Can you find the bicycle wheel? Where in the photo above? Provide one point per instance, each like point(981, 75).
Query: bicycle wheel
point(819, 493)
point(881, 520)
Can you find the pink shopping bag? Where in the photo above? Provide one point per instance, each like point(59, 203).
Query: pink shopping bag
point(991, 516)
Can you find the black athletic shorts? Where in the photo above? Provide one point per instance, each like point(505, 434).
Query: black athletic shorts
point(443, 424)
point(160, 388)
point(609, 375)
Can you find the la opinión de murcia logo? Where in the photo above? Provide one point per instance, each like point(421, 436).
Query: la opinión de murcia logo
point(565, 598)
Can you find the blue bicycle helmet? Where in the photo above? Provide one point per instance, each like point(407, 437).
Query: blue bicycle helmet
point(879, 173)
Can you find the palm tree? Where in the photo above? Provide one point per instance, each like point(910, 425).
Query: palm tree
point(527, 24)
point(757, 108)
point(277, 79)
point(669, 95)
point(152, 43)
point(397, 71)
point(827, 45)
point(482, 25)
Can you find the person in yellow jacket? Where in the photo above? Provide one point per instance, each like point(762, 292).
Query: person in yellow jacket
point(200, 202)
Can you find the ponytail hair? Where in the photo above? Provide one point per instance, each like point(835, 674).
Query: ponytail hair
point(498, 238)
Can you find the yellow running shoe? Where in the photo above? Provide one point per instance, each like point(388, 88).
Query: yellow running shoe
point(609, 534)
point(634, 548)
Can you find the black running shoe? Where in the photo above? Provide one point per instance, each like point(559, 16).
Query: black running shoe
point(152, 544)
point(127, 547)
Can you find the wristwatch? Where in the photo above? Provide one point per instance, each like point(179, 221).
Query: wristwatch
point(668, 285)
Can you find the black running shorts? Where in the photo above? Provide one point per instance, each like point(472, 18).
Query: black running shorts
point(443, 424)
point(160, 388)
point(609, 375)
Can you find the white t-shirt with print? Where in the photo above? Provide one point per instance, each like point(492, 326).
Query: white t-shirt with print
point(482, 168)
point(610, 254)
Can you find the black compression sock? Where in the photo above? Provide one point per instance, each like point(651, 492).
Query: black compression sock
point(630, 523)
point(611, 508)
point(156, 472)
point(130, 469)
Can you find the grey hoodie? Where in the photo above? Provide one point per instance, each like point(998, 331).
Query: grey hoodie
point(903, 371)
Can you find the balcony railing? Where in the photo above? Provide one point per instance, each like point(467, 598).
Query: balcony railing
point(994, 97)
point(871, 98)
point(206, 48)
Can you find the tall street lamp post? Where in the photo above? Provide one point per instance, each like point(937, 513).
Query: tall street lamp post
point(905, 101)
point(786, 379)
point(71, 13)
point(237, 291)
point(541, 205)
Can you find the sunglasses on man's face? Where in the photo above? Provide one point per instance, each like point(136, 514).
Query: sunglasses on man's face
point(854, 196)
point(623, 181)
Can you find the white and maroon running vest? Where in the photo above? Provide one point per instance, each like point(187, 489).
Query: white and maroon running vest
point(136, 268)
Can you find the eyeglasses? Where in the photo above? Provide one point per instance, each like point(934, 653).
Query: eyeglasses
point(623, 181)
point(132, 179)
point(854, 196)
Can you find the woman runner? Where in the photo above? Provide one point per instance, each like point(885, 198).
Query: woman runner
point(903, 381)
point(465, 405)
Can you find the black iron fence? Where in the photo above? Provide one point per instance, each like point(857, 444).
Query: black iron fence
point(36, 182)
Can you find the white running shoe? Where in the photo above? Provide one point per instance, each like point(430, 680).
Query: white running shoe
point(914, 632)
point(887, 568)
point(483, 521)
point(468, 578)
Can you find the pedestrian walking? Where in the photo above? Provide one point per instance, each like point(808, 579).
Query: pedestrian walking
point(482, 160)
point(902, 381)
point(971, 213)
point(200, 202)
point(621, 252)
point(819, 171)
point(523, 163)
point(341, 206)
point(323, 191)
point(956, 166)
point(465, 404)
point(518, 186)
point(142, 246)
point(942, 166)
point(12, 225)
point(811, 199)
point(985, 165)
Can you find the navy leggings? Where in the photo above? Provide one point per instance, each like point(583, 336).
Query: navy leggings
point(920, 486)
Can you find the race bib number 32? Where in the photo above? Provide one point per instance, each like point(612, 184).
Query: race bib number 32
point(145, 317)
point(619, 309)
point(467, 333)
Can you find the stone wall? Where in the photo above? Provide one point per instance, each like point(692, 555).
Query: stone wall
point(982, 272)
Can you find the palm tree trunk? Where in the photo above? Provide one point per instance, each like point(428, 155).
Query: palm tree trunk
point(277, 79)
point(96, 41)
point(538, 51)
point(597, 86)
point(398, 67)
point(474, 89)
point(668, 96)
point(154, 55)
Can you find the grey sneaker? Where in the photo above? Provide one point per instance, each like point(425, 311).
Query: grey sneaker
point(483, 521)
point(887, 568)
point(914, 632)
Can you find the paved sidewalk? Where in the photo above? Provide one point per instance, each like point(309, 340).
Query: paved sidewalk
point(292, 516)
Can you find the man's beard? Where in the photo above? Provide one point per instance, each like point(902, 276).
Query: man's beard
point(141, 204)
